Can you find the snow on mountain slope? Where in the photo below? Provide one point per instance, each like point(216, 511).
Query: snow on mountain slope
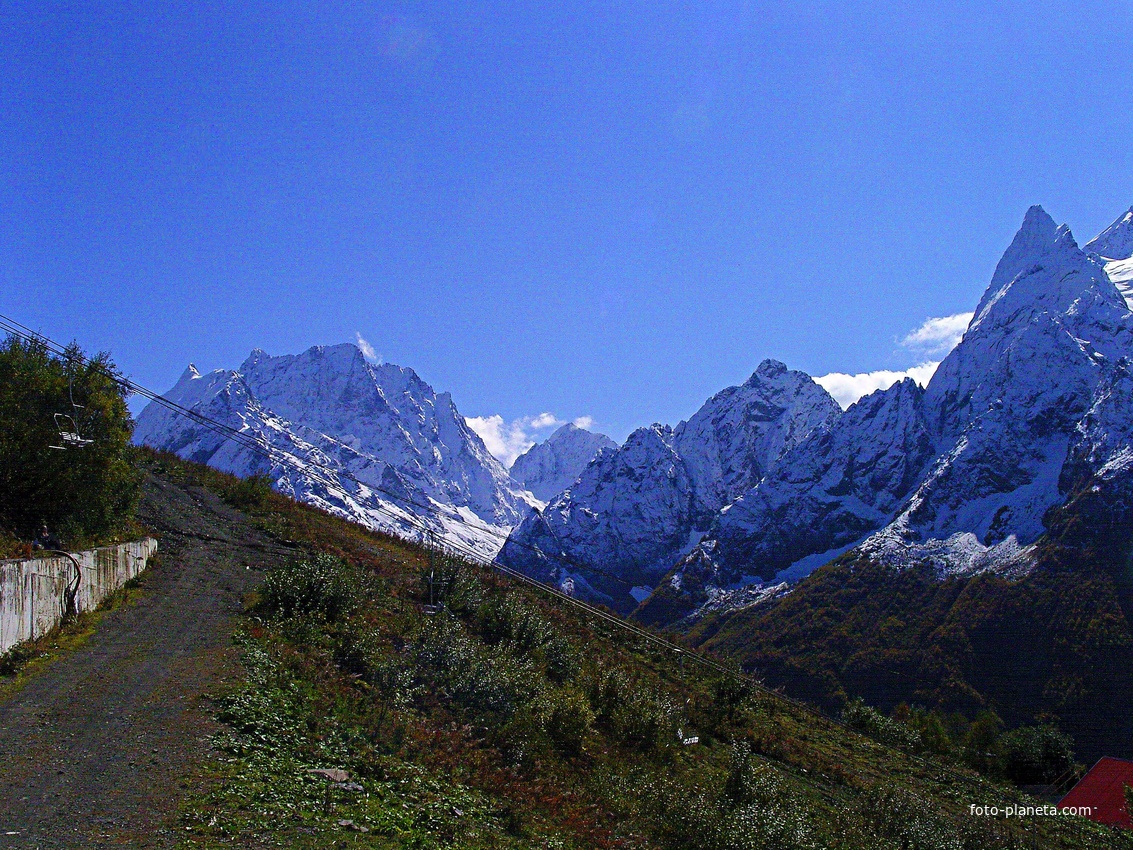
point(633, 511)
point(1115, 246)
point(960, 475)
point(846, 480)
point(549, 467)
point(629, 510)
point(329, 410)
point(1006, 402)
point(739, 434)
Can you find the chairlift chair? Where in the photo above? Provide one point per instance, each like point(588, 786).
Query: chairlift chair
point(69, 434)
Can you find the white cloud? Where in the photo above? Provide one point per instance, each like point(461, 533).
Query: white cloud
point(939, 335)
point(584, 422)
point(847, 389)
point(508, 440)
point(545, 420)
point(367, 349)
point(505, 441)
point(934, 338)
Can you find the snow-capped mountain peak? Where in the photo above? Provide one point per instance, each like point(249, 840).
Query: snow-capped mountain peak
point(636, 509)
point(1115, 247)
point(1043, 270)
point(1116, 241)
point(549, 467)
point(383, 447)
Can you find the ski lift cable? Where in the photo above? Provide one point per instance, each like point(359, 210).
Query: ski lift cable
point(269, 453)
point(261, 447)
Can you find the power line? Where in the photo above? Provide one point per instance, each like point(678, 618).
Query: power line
point(327, 475)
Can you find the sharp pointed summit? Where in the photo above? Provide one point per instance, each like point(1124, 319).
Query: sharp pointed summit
point(549, 467)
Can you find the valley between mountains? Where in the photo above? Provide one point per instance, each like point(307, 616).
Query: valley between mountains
point(962, 545)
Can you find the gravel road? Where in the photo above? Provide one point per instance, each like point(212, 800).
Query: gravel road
point(98, 749)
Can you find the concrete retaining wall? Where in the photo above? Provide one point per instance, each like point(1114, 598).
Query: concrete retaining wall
point(32, 592)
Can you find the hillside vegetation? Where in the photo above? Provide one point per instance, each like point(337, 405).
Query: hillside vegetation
point(1054, 646)
point(510, 719)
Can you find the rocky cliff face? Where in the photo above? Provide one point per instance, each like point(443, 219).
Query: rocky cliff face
point(846, 480)
point(342, 418)
point(549, 467)
point(1005, 405)
point(960, 474)
point(634, 511)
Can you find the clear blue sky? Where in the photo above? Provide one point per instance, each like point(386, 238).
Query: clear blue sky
point(599, 209)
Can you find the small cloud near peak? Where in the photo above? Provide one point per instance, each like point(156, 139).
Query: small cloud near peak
point(847, 389)
point(508, 440)
point(545, 420)
point(367, 349)
point(937, 336)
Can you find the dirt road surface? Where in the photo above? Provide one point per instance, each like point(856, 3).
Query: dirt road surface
point(98, 749)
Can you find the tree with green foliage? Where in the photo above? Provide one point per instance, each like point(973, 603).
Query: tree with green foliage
point(1033, 755)
point(82, 493)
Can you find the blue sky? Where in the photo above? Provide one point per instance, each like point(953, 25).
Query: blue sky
point(587, 209)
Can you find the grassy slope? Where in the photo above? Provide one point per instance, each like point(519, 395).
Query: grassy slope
point(1055, 644)
point(512, 720)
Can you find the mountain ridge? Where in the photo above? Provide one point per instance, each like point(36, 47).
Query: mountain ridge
point(551, 466)
point(407, 453)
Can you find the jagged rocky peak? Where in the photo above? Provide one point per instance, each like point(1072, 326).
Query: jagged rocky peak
point(1047, 315)
point(1116, 241)
point(1043, 270)
point(634, 511)
point(738, 434)
point(549, 467)
point(844, 481)
point(381, 445)
point(1008, 401)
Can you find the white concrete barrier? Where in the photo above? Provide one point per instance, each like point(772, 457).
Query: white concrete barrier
point(33, 591)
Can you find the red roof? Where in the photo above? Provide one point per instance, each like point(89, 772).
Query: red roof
point(1102, 790)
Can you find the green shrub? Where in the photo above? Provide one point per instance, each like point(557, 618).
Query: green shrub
point(250, 492)
point(357, 649)
point(869, 721)
point(979, 740)
point(729, 691)
point(321, 585)
point(84, 493)
point(757, 809)
point(510, 619)
point(1033, 755)
point(632, 715)
point(928, 726)
point(476, 678)
point(909, 821)
point(465, 594)
point(568, 719)
point(507, 617)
